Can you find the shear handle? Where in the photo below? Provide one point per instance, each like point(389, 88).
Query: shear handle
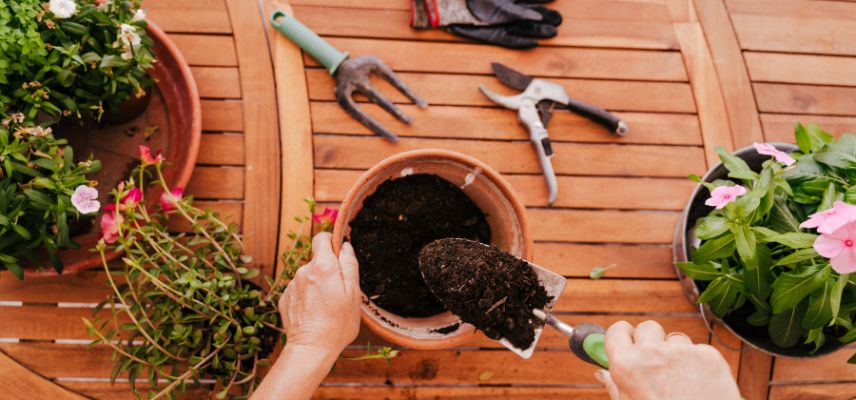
point(528, 115)
point(605, 118)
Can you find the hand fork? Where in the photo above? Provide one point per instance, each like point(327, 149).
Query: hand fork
point(352, 75)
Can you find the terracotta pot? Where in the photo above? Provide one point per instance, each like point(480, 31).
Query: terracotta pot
point(505, 214)
point(681, 245)
point(174, 109)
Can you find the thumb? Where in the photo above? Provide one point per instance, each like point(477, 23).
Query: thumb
point(349, 265)
point(605, 378)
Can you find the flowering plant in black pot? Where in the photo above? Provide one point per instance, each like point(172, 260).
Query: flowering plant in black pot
point(768, 243)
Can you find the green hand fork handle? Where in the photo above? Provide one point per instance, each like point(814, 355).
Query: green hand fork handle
point(352, 75)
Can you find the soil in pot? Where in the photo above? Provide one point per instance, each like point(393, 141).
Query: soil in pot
point(394, 224)
point(486, 287)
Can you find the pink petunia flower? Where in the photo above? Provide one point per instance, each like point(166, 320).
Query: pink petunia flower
point(85, 199)
point(131, 199)
point(839, 247)
point(724, 195)
point(770, 150)
point(147, 158)
point(168, 199)
point(830, 220)
point(329, 216)
point(110, 221)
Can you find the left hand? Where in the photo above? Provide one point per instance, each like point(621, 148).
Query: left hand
point(321, 307)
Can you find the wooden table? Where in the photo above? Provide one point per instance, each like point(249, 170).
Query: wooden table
point(686, 76)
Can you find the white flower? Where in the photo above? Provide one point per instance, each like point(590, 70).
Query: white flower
point(128, 35)
point(62, 8)
point(127, 55)
point(85, 199)
point(139, 15)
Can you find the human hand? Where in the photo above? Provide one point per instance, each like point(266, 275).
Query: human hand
point(644, 364)
point(321, 306)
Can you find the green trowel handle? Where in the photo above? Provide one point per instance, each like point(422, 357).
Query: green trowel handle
point(587, 344)
point(318, 48)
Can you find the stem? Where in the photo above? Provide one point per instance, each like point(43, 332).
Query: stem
point(131, 314)
point(280, 277)
point(189, 372)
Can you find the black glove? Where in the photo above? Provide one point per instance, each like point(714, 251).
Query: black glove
point(509, 23)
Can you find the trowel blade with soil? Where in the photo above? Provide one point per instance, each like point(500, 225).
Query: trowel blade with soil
point(585, 340)
point(552, 283)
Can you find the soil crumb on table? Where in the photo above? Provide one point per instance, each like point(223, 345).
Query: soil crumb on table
point(486, 287)
point(396, 221)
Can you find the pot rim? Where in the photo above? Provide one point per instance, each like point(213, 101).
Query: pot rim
point(184, 170)
point(507, 192)
point(689, 286)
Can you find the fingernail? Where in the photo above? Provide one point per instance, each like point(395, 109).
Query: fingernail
point(600, 375)
point(347, 248)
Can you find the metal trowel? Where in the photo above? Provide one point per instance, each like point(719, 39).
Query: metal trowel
point(585, 340)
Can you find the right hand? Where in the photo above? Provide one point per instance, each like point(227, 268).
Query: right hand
point(646, 364)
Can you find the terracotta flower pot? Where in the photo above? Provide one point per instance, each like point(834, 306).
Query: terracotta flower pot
point(173, 119)
point(684, 239)
point(505, 214)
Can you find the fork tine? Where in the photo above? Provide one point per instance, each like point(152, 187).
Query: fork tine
point(381, 100)
point(386, 72)
point(345, 100)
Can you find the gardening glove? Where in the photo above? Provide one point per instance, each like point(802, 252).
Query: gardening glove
point(515, 24)
point(645, 363)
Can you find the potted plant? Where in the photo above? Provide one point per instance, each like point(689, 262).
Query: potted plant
point(73, 64)
point(764, 245)
point(405, 202)
point(189, 306)
point(44, 192)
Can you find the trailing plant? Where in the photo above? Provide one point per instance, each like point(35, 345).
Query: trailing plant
point(186, 306)
point(42, 192)
point(73, 58)
point(781, 240)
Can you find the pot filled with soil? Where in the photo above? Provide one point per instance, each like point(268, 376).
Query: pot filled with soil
point(401, 205)
point(747, 319)
point(171, 122)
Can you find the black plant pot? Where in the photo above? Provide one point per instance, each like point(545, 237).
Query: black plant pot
point(736, 321)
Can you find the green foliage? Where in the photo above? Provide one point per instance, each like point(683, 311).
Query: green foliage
point(37, 178)
point(77, 66)
point(753, 253)
point(190, 306)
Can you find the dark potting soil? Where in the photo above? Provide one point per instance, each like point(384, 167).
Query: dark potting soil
point(396, 221)
point(486, 287)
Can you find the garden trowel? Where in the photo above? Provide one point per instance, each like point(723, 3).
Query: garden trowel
point(585, 340)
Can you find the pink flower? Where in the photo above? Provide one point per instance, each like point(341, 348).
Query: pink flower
point(770, 150)
point(839, 247)
point(168, 199)
point(131, 199)
point(830, 220)
point(724, 195)
point(329, 216)
point(110, 222)
point(85, 199)
point(146, 156)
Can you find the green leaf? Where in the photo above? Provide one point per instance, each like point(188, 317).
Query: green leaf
point(721, 295)
point(835, 296)
point(852, 359)
point(794, 240)
point(811, 137)
point(699, 272)
point(781, 217)
point(110, 61)
point(39, 198)
point(791, 287)
point(746, 246)
point(711, 227)
point(15, 269)
point(797, 257)
point(829, 197)
point(737, 168)
point(758, 279)
point(715, 249)
point(760, 317)
point(806, 169)
point(840, 154)
point(819, 311)
point(762, 233)
point(785, 329)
